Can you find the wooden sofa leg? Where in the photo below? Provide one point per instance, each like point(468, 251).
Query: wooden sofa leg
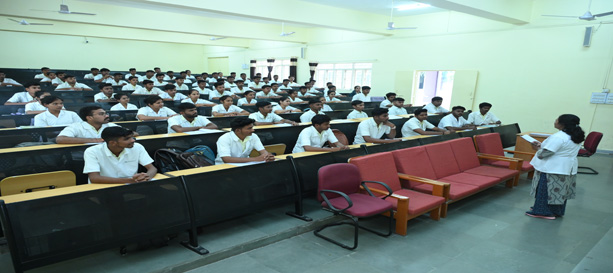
point(509, 183)
point(435, 214)
point(531, 175)
point(516, 180)
point(402, 215)
point(444, 210)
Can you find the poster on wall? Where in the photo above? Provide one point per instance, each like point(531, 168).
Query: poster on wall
point(598, 97)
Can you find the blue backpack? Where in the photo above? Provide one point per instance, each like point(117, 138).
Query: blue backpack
point(203, 151)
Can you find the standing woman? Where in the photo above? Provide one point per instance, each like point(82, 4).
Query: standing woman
point(556, 164)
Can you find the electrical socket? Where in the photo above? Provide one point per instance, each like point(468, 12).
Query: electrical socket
point(605, 90)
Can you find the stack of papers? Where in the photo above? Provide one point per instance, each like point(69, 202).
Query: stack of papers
point(540, 135)
point(529, 139)
point(203, 131)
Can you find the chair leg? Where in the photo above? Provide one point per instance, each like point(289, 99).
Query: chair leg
point(530, 174)
point(354, 223)
point(591, 171)
point(391, 224)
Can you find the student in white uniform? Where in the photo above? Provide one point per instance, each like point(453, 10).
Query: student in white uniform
point(387, 102)
point(117, 80)
point(303, 92)
point(324, 106)
point(227, 108)
point(256, 85)
point(106, 93)
point(95, 119)
point(220, 91)
point(248, 100)
point(419, 125)
point(56, 79)
point(372, 129)
point(201, 87)
point(123, 103)
point(484, 116)
point(235, 146)
point(35, 107)
point(275, 79)
point(284, 107)
point(170, 76)
point(44, 71)
point(454, 121)
point(116, 160)
point(313, 138)
point(311, 88)
point(435, 107)
point(358, 110)
point(132, 73)
point(266, 93)
point(180, 84)
point(50, 78)
point(229, 84)
point(240, 88)
point(315, 106)
point(93, 75)
point(4, 81)
point(106, 76)
point(285, 85)
point(172, 94)
point(132, 84)
point(148, 89)
point(292, 81)
point(293, 97)
point(265, 116)
point(183, 75)
point(194, 98)
point(149, 75)
point(72, 85)
point(55, 116)
point(155, 109)
point(188, 120)
point(274, 87)
point(398, 107)
point(243, 77)
point(159, 80)
point(22, 98)
point(364, 96)
point(331, 97)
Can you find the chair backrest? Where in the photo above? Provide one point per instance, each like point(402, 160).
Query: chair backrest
point(378, 167)
point(465, 153)
point(489, 144)
point(442, 159)
point(277, 149)
point(591, 142)
point(341, 177)
point(342, 138)
point(35, 182)
point(414, 161)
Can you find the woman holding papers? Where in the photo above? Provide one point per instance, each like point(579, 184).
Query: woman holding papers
point(556, 164)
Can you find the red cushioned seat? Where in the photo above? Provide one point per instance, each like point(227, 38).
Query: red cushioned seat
point(363, 205)
point(457, 190)
point(442, 159)
point(468, 161)
point(489, 144)
point(502, 174)
point(525, 166)
point(480, 181)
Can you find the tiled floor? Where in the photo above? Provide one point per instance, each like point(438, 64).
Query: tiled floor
point(484, 233)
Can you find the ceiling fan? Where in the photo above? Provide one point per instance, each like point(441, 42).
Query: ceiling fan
point(64, 10)
point(390, 24)
point(283, 33)
point(24, 22)
point(587, 16)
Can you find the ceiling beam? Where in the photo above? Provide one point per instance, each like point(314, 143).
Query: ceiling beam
point(516, 12)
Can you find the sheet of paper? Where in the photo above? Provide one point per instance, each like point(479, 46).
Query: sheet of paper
point(246, 163)
point(529, 138)
point(394, 117)
point(342, 121)
point(540, 135)
point(204, 131)
point(283, 125)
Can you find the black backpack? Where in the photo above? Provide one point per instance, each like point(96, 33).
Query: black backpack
point(166, 160)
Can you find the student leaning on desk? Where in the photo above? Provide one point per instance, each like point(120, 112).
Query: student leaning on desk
point(235, 146)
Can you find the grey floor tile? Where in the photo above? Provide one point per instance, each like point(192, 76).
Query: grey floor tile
point(236, 264)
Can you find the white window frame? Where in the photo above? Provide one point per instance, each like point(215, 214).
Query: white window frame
point(280, 67)
point(344, 75)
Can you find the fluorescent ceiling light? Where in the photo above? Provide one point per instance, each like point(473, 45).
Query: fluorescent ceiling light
point(412, 6)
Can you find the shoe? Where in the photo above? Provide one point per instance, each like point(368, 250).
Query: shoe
point(529, 213)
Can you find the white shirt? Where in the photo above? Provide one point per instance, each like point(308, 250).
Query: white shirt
point(114, 83)
point(564, 159)
point(143, 78)
point(261, 94)
point(21, 97)
point(211, 80)
point(326, 108)
point(369, 128)
point(278, 107)
point(91, 76)
point(357, 114)
point(433, 109)
point(297, 99)
point(181, 121)
point(221, 110)
point(10, 81)
point(414, 123)
point(168, 78)
point(229, 85)
point(84, 130)
point(477, 119)
point(129, 87)
point(252, 85)
point(310, 137)
point(127, 76)
point(204, 91)
point(144, 91)
point(119, 107)
point(57, 81)
point(385, 103)
point(450, 120)
point(178, 96)
point(308, 115)
point(294, 84)
point(313, 91)
point(395, 110)
point(230, 145)
point(35, 106)
point(100, 159)
point(215, 94)
point(157, 83)
point(361, 97)
point(76, 85)
point(46, 79)
point(199, 101)
point(271, 117)
point(283, 87)
point(235, 90)
point(305, 95)
point(333, 99)
point(102, 96)
point(242, 101)
point(183, 87)
point(39, 76)
point(163, 112)
point(64, 118)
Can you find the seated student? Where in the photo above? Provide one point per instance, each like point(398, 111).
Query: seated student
point(55, 115)
point(256, 85)
point(188, 120)
point(332, 97)
point(106, 93)
point(72, 85)
point(274, 87)
point(132, 84)
point(124, 103)
point(106, 76)
point(328, 84)
point(418, 125)
point(116, 161)
point(325, 107)
point(159, 80)
point(292, 81)
point(455, 121)
point(387, 102)
point(235, 146)
point(311, 88)
point(285, 85)
point(372, 129)
point(194, 98)
point(275, 79)
point(220, 91)
point(4, 81)
point(315, 106)
point(155, 110)
point(170, 76)
point(22, 98)
point(201, 87)
point(44, 71)
point(358, 107)
point(95, 119)
point(303, 92)
point(57, 80)
point(266, 81)
point(172, 94)
point(36, 107)
point(364, 95)
point(266, 93)
point(117, 80)
point(248, 100)
point(484, 116)
point(180, 84)
point(265, 116)
point(183, 75)
point(293, 96)
point(229, 84)
point(240, 88)
point(398, 107)
point(149, 75)
point(94, 75)
point(356, 90)
point(213, 79)
point(435, 107)
point(188, 75)
point(148, 89)
point(51, 76)
point(157, 70)
point(284, 108)
point(332, 88)
point(313, 138)
point(227, 109)
point(132, 73)
point(243, 77)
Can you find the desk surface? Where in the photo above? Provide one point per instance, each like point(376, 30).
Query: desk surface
point(55, 192)
point(302, 154)
point(201, 169)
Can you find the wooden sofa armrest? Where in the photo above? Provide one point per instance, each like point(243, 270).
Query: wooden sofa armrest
point(438, 188)
point(396, 196)
point(519, 152)
point(514, 163)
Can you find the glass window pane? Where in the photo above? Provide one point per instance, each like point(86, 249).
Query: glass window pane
point(362, 65)
point(367, 77)
point(358, 77)
point(325, 66)
point(320, 76)
point(347, 82)
point(338, 80)
point(343, 66)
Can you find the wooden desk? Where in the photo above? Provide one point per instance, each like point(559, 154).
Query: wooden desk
point(354, 146)
point(522, 145)
point(55, 192)
point(417, 137)
point(201, 170)
point(298, 155)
